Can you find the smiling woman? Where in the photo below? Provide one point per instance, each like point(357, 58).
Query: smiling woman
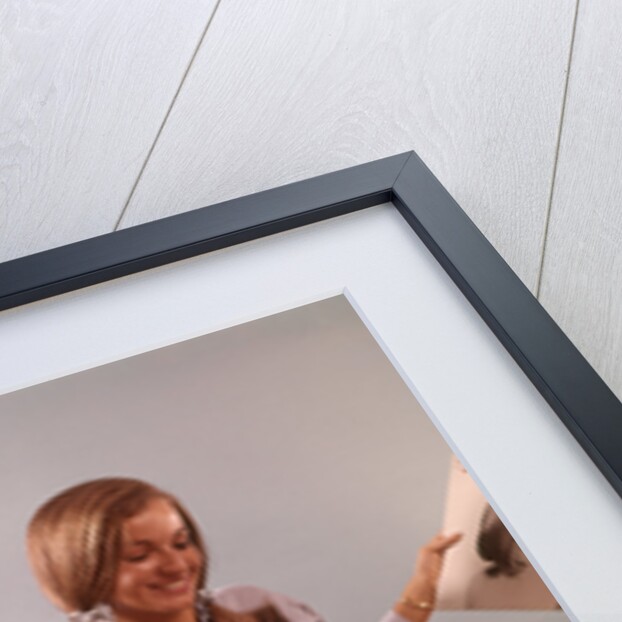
point(122, 550)
point(159, 566)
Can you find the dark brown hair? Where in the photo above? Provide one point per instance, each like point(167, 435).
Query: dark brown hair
point(496, 544)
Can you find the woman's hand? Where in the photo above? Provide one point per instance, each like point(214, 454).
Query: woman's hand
point(419, 596)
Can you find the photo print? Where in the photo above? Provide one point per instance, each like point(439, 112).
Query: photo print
point(308, 463)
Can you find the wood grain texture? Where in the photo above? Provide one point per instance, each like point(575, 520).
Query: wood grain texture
point(84, 87)
point(282, 92)
point(582, 275)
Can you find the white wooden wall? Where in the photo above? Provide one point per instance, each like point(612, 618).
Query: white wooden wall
point(112, 114)
point(117, 113)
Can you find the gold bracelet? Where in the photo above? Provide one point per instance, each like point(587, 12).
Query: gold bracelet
point(413, 604)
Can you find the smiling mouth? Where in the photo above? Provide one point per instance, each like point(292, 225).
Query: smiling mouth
point(180, 586)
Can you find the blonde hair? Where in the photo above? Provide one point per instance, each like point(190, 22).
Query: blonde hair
point(74, 539)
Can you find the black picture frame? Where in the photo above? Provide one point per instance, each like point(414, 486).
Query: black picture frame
point(576, 393)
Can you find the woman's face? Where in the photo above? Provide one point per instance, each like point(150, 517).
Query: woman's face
point(159, 566)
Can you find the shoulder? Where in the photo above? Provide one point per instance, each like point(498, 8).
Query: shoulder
point(248, 597)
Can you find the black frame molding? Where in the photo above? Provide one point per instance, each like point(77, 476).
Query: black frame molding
point(578, 395)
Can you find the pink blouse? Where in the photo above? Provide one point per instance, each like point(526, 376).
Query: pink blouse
point(240, 598)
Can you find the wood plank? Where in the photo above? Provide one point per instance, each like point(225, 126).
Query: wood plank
point(582, 276)
point(84, 87)
point(279, 93)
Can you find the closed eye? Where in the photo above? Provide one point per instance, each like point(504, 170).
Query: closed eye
point(137, 558)
point(182, 545)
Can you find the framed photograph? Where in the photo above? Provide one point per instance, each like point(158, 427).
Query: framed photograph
point(383, 244)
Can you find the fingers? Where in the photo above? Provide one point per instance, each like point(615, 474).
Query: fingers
point(440, 543)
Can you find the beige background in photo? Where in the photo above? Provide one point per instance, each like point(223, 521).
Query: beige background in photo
point(307, 461)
